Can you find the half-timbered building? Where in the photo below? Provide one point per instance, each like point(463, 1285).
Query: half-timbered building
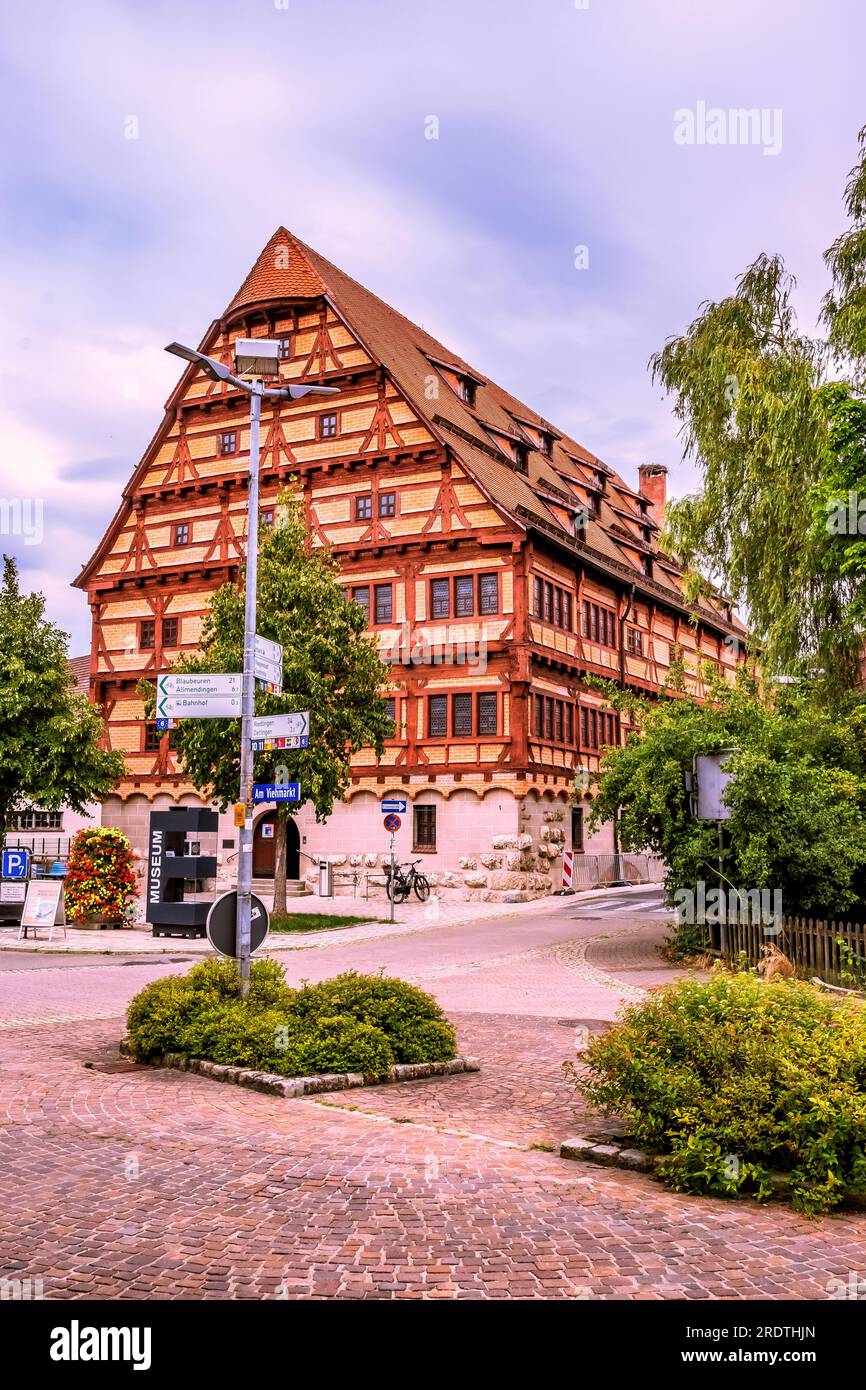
point(501, 563)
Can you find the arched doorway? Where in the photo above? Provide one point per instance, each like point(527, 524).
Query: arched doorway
point(265, 844)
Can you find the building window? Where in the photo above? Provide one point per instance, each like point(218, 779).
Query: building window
point(424, 827)
point(557, 721)
point(488, 593)
point(487, 720)
point(384, 603)
point(437, 716)
point(464, 596)
point(461, 715)
point(538, 716)
point(466, 390)
point(36, 820)
point(538, 596)
point(520, 456)
point(266, 518)
point(227, 442)
point(285, 348)
point(566, 610)
point(577, 829)
point(440, 598)
point(569, 724)
point(170, 632)
point(147, 634)
point(548, 603)
point(361, 596)
point(634, 641)
point(363, 507)
point(181, 533)
point(391, 711)
point(599, 624)
point(152, 738)
point(387, 503)
point(551, 603)
point(548, 718)
point(328, 425)
point(546, 444)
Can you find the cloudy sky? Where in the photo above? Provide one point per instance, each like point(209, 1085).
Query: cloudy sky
point(151, 150)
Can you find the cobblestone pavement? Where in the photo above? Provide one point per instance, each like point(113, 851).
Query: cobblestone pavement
point(121, 1181)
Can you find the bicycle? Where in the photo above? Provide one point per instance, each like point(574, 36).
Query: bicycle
point(406, 878)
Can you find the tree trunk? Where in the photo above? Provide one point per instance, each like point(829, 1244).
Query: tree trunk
point(280, 863)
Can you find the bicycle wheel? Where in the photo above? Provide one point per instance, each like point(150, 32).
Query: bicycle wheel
point(422, 888)
point(398, 891)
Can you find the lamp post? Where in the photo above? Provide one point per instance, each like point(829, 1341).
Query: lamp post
point(255, 358)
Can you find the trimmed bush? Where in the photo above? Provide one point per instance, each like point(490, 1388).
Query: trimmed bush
point(157, 1015)
point(735, 1080)
point(355, 1023)
point(403, 1012)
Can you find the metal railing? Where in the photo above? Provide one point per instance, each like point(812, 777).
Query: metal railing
point(605, 870)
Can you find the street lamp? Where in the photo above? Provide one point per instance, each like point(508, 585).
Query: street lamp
point(257, 358)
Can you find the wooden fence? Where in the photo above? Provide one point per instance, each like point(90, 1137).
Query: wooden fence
point(812, 946)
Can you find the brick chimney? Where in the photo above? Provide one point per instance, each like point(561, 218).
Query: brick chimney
point(654, 486)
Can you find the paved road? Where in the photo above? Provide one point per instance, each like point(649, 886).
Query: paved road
point(120, 1181)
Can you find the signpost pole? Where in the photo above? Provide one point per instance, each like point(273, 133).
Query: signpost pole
point(392, 878)
point(245, 856)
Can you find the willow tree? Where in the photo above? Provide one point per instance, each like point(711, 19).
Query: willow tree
point(750, 390)
point(331, 667)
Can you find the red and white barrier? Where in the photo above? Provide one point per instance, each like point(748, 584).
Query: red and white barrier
point(567, 867)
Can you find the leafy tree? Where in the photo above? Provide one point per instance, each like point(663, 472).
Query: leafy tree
point(766, 432)
point(797, 800)
point(331, 667)
point(50, 735)
point(845, 304)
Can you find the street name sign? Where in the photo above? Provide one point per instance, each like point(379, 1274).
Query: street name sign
point(194, 695)
point(276, 791)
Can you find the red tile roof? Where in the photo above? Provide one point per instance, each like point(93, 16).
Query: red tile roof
point(79, 667)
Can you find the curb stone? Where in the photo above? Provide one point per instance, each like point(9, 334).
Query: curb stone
point(609, 1155)
point(293, 1086)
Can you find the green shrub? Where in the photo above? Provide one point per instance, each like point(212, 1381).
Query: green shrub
point(357, 1023)
point(735, 1079)
point(221, 978)
point(402, 1012)
point(157, 1014)
point(345, 1044)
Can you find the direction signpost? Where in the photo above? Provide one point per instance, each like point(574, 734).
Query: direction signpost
point(392, 808)
point(194, 695)
point(269, 664)
point(280, 731)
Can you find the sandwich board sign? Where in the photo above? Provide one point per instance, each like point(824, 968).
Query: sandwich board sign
point(43, 906)
point(198, 695)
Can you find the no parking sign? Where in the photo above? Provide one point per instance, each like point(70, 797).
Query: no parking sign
point(392, 823)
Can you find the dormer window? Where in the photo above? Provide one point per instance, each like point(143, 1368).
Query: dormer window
point(520, 456)
point(466, 390)
point(545, 443)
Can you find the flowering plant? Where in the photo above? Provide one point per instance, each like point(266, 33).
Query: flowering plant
point(100, 878)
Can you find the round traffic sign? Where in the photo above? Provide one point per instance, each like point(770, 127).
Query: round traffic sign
point(222, 924)
point(392, 822)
